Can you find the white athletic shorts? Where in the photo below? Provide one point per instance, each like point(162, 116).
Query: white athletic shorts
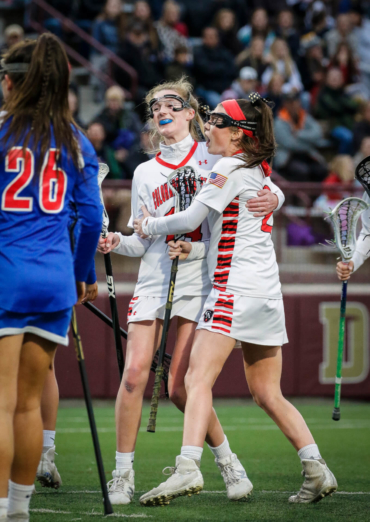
point(250, 319)
point(143, 308)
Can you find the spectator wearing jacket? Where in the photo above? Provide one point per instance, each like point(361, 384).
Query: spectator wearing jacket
point(285, 29)
point(214, 68)
point(259, 26)
point(253, 56)
point(298, 136)
point(242, 86)
point(117, 119)
point(339, 109)
point(226, 24)
point(171, 32)
point(343, 32)
point(282, 63)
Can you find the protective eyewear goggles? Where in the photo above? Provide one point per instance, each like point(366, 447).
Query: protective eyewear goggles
point(172, 102)
point(6, 68)
point(221, 121)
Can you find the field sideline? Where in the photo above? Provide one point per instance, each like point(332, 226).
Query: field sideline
point(270, 461)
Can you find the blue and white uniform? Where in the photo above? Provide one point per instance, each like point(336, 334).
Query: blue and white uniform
point(38, 271)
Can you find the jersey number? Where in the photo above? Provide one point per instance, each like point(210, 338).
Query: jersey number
point(265, 227)
point(194, 236)
point(52, 183)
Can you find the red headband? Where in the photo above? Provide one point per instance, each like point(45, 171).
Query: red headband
point(234, 111)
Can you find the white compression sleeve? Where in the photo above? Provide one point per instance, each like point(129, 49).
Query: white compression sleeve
point(199, 250)
point(179, 223)
point(362, 251)
point(131, 246)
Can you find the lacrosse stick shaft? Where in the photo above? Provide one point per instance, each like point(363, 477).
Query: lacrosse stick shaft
point(338, 378)
point(114, 312)
point(107, 320)
point(162, 349)
point(85, 385)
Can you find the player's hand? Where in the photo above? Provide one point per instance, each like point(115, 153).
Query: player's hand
point(139, 221)
point(344, 270)
point(180, 249)
point(107, 244)
point(91, 292)
point(81, 291)
point(266, 202)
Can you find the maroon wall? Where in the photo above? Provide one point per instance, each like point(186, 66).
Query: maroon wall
point(302, 356)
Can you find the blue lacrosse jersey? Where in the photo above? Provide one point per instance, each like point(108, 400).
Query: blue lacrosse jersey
point(38, 271)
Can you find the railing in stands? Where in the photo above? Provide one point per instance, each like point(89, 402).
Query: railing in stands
point(113, 58)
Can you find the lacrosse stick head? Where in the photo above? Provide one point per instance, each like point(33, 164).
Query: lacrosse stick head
point(362, 174)
point(344, 219)
point(185, 183)
point(103, 171)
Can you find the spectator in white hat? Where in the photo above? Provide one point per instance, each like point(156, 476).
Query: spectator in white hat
point(242, 86)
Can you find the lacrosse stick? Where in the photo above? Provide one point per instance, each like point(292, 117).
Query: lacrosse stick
point(362, 174)
point(85, 386)
point(167, 357)
point(185, 185)
point(344, 220)
point(103, 171)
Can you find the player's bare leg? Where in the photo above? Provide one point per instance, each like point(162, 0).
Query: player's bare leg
point(10, 348)
point(47, 472)
point(142, 341)
point(35, 358)
point(176, 383)
point(263, 366)
point(209, 353)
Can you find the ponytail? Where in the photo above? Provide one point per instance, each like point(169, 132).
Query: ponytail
point(38, 102)
point(257, 151)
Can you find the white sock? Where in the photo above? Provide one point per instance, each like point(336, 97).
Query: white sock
point(192, 452)
point(124, 460)
point(3, 508)
point(223, 450)
point(309, 452)
point(49, 440)
point(19, 498)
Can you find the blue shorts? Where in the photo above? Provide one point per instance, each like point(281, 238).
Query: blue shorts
point(52, 325)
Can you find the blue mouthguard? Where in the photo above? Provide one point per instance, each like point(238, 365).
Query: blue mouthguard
point(163, 122)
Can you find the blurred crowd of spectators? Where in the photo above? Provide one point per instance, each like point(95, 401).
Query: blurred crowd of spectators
point(311, 57)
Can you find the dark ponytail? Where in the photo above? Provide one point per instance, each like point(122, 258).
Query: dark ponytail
point(38, 101)
point(257, 151)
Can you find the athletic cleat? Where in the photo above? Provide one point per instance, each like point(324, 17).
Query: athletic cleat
point(185, 479)
point(47, 473)
point(319, 482)
point(121, 488)
point(237, 483)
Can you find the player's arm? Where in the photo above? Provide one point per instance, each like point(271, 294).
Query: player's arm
point(91, 286)
point(131, 246)
point(180, 223)
point(268, 200)
point(362, 251)
point(90, 211)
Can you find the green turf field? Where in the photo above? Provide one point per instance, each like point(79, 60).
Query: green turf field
point(270, 461)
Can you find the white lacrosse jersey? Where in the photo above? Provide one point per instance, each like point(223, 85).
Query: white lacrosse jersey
point(241, 257)
point(149, 188)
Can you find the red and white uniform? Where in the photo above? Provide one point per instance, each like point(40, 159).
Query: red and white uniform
point(245, 302)
point(149, 188)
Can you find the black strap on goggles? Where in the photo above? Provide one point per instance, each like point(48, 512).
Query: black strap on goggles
point(227, 121)
point(184, 104)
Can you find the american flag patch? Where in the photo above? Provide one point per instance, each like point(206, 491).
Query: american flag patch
point(217, 179)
